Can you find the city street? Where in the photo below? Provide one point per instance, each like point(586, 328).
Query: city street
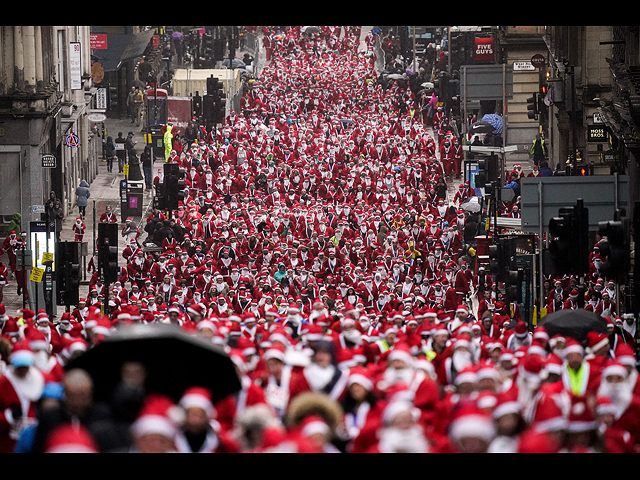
point(365, 240)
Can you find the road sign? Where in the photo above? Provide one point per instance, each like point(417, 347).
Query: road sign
point(36, 275)
point(47, 257)
point(49, 161)
point(38, 209)
point(72, 141)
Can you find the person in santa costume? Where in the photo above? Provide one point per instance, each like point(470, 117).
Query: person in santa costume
point(200, 433)
point(78, 229)
point(21, 387)
point(323, 375)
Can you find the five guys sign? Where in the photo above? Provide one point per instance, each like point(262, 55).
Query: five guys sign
point(485, 50)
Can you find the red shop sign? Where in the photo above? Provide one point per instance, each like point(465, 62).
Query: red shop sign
point(485, 48)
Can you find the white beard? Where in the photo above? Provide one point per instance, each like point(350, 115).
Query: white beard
point(319, 377)
point(395, 440)
point(29, 388)
point(393, 376)
point(354, 337)
point(527, 390)
point(461, 360)
point(620, 394)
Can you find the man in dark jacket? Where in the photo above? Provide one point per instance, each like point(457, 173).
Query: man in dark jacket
point(120, 153)
point(78, 407)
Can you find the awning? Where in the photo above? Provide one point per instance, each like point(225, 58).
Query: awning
point(137, 46)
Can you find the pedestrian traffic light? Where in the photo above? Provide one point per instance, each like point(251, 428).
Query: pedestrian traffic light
point(615, 246)
point(67, 273)
point(108, 251)
point(532, 107)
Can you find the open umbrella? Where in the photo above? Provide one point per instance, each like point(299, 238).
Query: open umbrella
point(575, 324)
point(482, 127)
point(310, 30)
point(175, 361)
point(472, 205)
point(236, 63)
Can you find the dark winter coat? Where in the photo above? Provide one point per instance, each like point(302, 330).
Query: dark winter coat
point(82, 194)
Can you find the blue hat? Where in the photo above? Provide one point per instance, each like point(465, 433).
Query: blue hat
point(53, 390)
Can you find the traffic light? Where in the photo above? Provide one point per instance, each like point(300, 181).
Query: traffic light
point(208, 110)
point(174, 185)
point(532, 107)
point(108, 251)
point(160, 200)
point(569, 247)
point(488, 171)
point(68, 273)
point(494, 260)
point(581, 244)
point(560, 246)
point(615, 246)
point(197, 105)
point(514, 286)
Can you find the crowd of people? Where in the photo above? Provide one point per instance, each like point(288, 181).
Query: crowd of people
point(318, 244)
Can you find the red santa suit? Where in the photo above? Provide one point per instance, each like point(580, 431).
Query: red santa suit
point(78, 229)
point(18, 395)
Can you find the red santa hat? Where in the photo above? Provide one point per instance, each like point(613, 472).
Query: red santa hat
point(573, 347)
point(198, 397)
point(70, 439)
point(403, 353)
point(472, 423)
point(581, 416)
point(159, 415)
point(507, 404)
point(596, 341)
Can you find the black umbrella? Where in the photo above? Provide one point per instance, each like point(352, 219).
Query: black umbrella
point(175, 361)
point(482, 127)
point(575, 324)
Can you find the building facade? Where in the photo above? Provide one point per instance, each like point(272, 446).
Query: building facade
point(46, 95)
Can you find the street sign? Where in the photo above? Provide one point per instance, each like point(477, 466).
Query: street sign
point(75, 65)
point(523, 67)
point(98, 41)
point(49, 161)
point(36, 275)
point(47, 257)
point(538, 61)
point(38, 209)
point(101, 99)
